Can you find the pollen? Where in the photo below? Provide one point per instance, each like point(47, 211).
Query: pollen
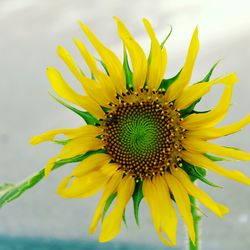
point(142, 133)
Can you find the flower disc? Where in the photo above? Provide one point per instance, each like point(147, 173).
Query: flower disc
point(143, 135)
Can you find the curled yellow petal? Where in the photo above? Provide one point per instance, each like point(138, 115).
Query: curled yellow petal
point(168, 214)
point(200, 160)
point(182, 200)
point(178, 86)
point(149, 193)
point(137, 56)
point(92, 163)
point(105, 82)
point(213, 117)
point(111, 61)
point(87, 185)
point(213, 133)
point(112, 223)
point(87, 130)
point(69, 61)
point(66, 92)
point(196, 91)
point(199, 194)
point(109, 189)
point(158, 60)
point(197, 145)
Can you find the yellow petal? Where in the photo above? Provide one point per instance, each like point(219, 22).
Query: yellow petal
point(202, 161)
point(110, 188)
point(92, 163)
point(196, 91)
point(149, 193)
point(87, 185)
point(158, 60)
point(66, 92)
point(199, 194)
point(177, 87)
point(69, 61)
point(75, 147)
point(112, 223)
point(168, 214)
point(182, 200)
point(137, 56)
point(87, 130)
point(80, 145)
point(193, 144)
point(213, 117)
point(104, 80)
point(213, 133)
point(110, 60)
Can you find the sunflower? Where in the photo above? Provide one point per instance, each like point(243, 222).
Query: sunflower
point(143, 138)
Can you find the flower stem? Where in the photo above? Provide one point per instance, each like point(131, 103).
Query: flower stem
point(196, 219)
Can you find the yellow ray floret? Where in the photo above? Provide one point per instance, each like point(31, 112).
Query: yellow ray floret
point(157, 61)
point(183, 203)
point(137, 56)
point(77, 146)
point(66, 92)
point(92, 163)
point(86, 130)
point(69, 61)
point(110, 188)
point(213, 133)
point(202, 161)
point(86, 185)
point(169, 220)
point(176, 89)
point(196, 91)
point(200, 195)
point(193, 144)
point(106, 85)
point(112, 223)
point(111, 61)
point(194, 121)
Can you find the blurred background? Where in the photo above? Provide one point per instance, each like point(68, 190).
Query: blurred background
point(30, 31)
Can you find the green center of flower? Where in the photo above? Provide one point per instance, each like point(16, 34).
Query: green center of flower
point(143, 135)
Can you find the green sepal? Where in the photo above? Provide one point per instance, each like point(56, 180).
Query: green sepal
point(166, 83)
point(87, 117)
point(124, 219)
point(137, 198)
point(195, 173)
point(166, 38)
point(209, 74)
point(108, 203)
point(215, 158)
point(62, 142)
point(103, 65)
point(9, 192)
point(190, 110)
point(127, 70)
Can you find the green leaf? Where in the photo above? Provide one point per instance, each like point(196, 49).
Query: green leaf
point(166, 83)
point(9, 192)
point(108, 204)
point(87, 117)
point(127, 70)
point(137, 198)
point(195, 173)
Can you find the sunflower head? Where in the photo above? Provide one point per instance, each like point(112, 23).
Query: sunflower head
point(143, 137)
